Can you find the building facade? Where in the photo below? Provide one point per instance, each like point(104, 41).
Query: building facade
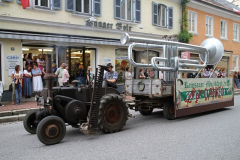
point(209, 18)
point(82, 33)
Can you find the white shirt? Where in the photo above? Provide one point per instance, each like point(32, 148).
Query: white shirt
point(26, 72)
point(128, 75)
point(14, 73)
point(38, 60)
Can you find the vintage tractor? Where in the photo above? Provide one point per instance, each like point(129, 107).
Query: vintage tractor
point(87, 108)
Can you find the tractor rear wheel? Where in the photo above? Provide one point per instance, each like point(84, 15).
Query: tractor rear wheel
point(29, 122)
point(169, 109)
point(113, 113)
point(51, 130)
point(146, 111)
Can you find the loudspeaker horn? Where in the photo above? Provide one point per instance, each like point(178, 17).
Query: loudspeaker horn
point(215, 48)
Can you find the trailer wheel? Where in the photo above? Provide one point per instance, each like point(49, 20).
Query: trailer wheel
point(169, 109)
point(146, 112)
point(51, 130)
point(113, 113)
point(29, 122)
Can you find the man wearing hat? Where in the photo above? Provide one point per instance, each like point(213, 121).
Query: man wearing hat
point(110, 77)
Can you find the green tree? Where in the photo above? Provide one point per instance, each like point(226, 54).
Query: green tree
point(184, 36)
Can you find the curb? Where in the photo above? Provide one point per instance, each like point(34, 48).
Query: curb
point(15, 115)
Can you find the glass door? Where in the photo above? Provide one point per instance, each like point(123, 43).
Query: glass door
point(78, 60)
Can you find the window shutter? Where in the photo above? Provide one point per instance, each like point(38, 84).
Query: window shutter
point(70, 5)
point(19, 1)
point(138, 11)
point(97, 7)
point(57, 4)
point(117, 9)
point(170, 17)
point(154, 13)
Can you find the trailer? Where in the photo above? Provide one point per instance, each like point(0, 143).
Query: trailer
point(178, 96)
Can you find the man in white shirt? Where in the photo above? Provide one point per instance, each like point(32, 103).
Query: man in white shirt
point(1, 92)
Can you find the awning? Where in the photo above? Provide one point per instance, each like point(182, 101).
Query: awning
point(58, 38)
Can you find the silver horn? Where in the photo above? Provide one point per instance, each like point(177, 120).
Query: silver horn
point(210, 52)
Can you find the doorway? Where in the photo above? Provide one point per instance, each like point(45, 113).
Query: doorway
point(78, 60)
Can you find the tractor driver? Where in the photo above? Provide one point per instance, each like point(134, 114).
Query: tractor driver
point(110, 78)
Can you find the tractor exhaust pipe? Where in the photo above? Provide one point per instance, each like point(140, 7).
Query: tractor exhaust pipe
point(49, 76)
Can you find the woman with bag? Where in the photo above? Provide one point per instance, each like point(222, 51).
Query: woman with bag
point(14, 75)
point(27, 82)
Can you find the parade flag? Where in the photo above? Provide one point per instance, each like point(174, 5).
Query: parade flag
point(25, 3)
point(235, 10)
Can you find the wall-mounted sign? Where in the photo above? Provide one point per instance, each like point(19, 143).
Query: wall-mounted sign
point(100, 24)
point(11, 61)
point(106, 61)
point(185, 55)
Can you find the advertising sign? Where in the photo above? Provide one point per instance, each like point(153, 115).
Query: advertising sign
point(193, 92)
point(12, 61)
point(185, 55)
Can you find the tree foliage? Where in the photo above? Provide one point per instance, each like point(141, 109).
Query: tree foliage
point(184, 36)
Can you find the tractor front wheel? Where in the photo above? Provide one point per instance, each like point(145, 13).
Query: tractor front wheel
point(113, 113)
point(29, 122)
point(51, 130)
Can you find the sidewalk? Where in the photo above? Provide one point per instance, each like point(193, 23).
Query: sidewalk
point(26, 105)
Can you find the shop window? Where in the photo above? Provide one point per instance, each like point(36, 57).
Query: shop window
point(84, 7)
point(235, 62)
point(162, 16)
point(121, 63)
point(236, 32)
point(42, 3)
point(192, 21)
point(209, 26)
point(127, 10)
point(224, 29)
point(47, 4)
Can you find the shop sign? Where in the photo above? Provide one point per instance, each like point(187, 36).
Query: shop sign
point(106, 61)
point(11, 61)
point(193, 92)
point(185, 55)
point(122, 58)
point(106, 25)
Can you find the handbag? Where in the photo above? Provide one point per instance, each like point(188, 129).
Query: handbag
point(10, 87)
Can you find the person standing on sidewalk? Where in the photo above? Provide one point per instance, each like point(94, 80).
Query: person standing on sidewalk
point(27, 82)
point(65, 76)
point(18, 85)
point(37, 79)
point(1, 92)
point(58, 74)
point(13, 76)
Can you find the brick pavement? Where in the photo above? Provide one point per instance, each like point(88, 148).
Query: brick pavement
point(26, 105)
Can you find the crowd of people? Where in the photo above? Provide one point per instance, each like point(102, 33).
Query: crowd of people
point(31, 79)
point(208, 73)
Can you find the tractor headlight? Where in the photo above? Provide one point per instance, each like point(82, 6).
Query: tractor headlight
point(49, 99)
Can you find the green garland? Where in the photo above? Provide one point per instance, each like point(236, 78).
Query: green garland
point(184, 36)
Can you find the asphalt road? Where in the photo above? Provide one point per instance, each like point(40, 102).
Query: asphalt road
point(212, 135)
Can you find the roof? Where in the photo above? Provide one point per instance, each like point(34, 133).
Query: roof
point(222, 4)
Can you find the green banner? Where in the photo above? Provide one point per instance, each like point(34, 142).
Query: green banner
point(191, 92)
